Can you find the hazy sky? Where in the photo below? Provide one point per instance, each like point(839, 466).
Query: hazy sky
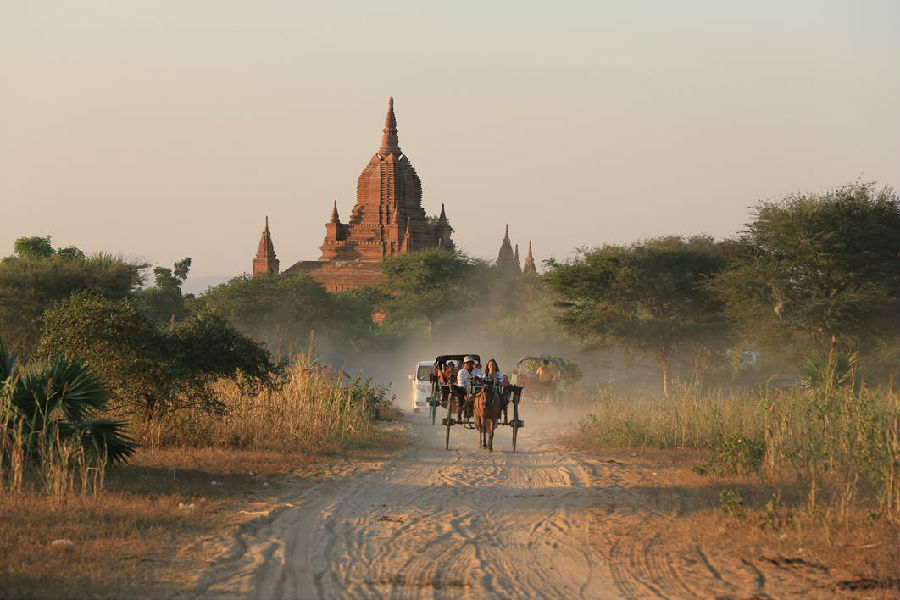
point(164, 129)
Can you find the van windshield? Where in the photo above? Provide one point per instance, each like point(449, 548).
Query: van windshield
point(424, 373)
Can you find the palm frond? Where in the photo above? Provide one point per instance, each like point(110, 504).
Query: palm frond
point(107, 436)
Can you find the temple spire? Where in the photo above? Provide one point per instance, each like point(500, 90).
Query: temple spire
point(507, 260)
point(389, 140)
point(265, 260)
point(529, 266)
point(335, 218)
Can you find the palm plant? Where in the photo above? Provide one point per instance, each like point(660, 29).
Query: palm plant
point(61, 399)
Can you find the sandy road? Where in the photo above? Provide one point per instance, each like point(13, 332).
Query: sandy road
point(465, 523)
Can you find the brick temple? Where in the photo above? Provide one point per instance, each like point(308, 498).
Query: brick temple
point(387, 220)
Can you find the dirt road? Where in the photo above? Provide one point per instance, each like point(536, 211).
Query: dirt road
point(465, 523)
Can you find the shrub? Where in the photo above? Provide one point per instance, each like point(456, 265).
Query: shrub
point(49, 418)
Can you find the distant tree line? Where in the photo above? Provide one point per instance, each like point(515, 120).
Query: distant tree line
point(807, 269)
point(808, 272)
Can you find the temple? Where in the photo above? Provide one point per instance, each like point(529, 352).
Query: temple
point(508, 258)
point(387, 220)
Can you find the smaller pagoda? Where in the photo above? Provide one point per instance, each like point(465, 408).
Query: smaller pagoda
point(529, 268)
point(508, 259)
point(265, 260)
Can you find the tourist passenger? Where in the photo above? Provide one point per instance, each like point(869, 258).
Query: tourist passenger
point(492, 371)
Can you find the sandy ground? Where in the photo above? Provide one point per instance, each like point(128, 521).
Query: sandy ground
point(543, 522)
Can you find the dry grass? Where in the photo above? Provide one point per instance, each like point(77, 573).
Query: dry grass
point(312, 409)
point(841, 445)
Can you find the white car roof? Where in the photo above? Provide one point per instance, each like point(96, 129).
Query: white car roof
point(426, 363)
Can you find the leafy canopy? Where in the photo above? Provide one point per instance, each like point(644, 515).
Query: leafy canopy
point(149, 366)
point(424, 285)
point(164, 300)
point(815, 265)
point(648, 298)
point(33, 279)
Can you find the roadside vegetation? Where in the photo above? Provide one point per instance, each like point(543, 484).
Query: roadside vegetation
point(802, 444)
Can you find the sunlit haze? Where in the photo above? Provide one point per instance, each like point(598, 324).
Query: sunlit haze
point(161, 130)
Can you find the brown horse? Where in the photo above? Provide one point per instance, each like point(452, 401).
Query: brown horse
point(487, 411)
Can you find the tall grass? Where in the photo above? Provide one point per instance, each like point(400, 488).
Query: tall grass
point(840, 442)
point(686, 419)
point(40, 460)
point(311, 408)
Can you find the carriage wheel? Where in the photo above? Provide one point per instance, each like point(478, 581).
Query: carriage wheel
point(515, 424)
point(433, 402)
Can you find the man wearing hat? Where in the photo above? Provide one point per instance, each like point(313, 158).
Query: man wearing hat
point(464, 382)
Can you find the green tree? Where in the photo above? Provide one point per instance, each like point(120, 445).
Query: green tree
point(71, 253)
point(649, 298)
point(424, 285)
point(148, 366)
point(31, 282)
point(278, 309)
point(813, 266)
point(33, 247)
point(164, 301)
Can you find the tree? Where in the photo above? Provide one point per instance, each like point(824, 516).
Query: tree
point(32, 281)
point(274, 308)
point(164, 301)
point(148, 366)
point(33, 247)
point(814, 266)
point(649, 298)
point(71, 253)
point(424, 285)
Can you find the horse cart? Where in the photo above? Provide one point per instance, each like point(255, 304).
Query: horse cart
point(481, 407)
point(543, 375)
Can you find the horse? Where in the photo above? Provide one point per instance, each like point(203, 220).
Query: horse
point(488, 407)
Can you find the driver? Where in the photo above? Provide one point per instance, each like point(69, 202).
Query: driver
point(546, 373)
point(465, 379)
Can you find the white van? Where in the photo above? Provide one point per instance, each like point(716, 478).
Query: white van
point(421, 384)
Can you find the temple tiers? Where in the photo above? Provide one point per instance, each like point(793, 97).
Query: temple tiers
point(388, 217)
point(387, 220)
